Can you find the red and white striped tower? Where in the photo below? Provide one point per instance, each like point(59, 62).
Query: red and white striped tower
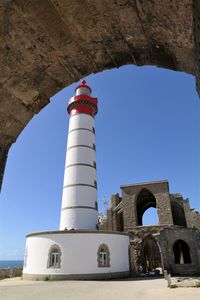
point(79, 200)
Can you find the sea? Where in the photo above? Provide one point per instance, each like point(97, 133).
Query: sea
point(11, 264)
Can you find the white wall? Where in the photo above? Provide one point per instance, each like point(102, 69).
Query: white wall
point(79, 253)
point(79, 180)
point(79, 218)
point(79, 195)
point(80, 155)
point(81, 137)
point(81, 121)
point(79, 174)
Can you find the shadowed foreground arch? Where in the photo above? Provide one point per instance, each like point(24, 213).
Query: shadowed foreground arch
point(47, 45)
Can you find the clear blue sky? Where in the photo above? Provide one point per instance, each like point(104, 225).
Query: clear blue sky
point(147, 128)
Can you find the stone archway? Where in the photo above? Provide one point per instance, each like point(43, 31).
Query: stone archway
point(181, 252)
point(47, 45)
point(144, 201)
point(150, 256)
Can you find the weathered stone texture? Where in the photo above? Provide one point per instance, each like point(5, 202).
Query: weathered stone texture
point(192, 216)
point(47, 45)
point(192, 238)
point(164, 208)
point(196, 30)
point(177, 222)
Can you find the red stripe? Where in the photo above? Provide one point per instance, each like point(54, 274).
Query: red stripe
point(82, 109)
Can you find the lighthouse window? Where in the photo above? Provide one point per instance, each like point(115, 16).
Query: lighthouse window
point(95, 184)
point(96, 205)
point(93, 129)
point(94, 147)
point(94, 163)
point(54, 257)
point(103, 256)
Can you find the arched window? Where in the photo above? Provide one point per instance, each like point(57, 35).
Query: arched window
point(178, 214)
point(54, 257)
point(95, 184)
point(144, 201)
point(103, 256)
point(181, 252)
point(96, 205)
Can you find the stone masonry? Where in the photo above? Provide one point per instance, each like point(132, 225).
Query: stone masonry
point(173, 244)
point(47, 45)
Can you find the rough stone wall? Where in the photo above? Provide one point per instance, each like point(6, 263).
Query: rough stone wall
point(166, 236)
point(47, 45)
point(164, 208)
point(127, 204)
point(129, 210)
point(137, 236)
point(196, 28)
point(177, 207)
point(130, 193)
point(192, 237)
point(192, 216)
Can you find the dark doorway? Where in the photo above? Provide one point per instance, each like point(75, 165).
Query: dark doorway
point(151, 256)
point(120, 221)
point(181, 252)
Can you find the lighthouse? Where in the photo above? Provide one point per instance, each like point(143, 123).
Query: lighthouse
point(78, 250)
point(79, 199)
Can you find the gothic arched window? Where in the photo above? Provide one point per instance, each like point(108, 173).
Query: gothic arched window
point(103, 256)
point(54, 257)
point(181, 252)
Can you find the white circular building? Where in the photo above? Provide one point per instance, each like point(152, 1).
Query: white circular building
point(78, 250)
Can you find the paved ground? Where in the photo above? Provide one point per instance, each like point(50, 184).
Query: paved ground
point(153, 289)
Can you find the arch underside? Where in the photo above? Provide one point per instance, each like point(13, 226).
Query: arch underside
point(145, 200)
point(178, 214)
point(47, 45)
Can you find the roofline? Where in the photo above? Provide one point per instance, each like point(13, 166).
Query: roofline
point(75, 232)
point(145, 183)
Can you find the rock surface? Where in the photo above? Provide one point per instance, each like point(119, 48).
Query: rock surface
point(47, 45)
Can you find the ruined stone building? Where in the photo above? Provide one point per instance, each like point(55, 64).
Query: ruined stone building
point(173, 244)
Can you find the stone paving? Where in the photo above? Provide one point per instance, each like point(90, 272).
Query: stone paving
point(147, 289)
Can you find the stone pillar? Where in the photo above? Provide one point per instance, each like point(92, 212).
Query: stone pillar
point(3, 158)
point(129, 211)
point(187, 210)
point(164, 208)
point(109, 220)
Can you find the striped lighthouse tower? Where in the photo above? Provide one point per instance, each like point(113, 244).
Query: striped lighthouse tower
point(79, 200)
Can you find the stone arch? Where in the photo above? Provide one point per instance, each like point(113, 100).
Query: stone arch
point(103, 256)
point(178, 214)
point(144, 200)
point(138, 33)
point(181, 252)
point(151, 257)
point(54, 249)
